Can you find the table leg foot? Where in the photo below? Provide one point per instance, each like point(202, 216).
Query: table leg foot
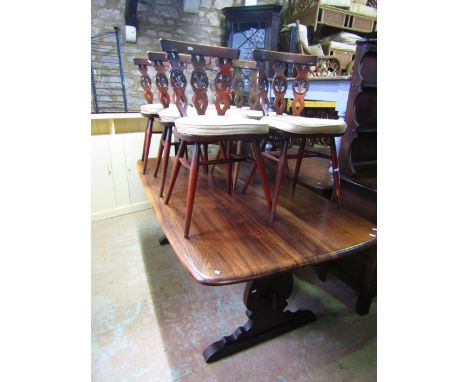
point(266, 300)
point(163, 240)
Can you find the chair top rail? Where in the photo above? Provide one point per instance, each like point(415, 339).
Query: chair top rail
point(172, 46)
point(290, 58)
point(162, 56)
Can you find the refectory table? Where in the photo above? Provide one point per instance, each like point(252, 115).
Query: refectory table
point(231, 242)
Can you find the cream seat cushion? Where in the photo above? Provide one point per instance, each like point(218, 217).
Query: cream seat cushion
point(151, 108)
point(244, 112)
point(171, 113)
point(304, 125)
point(209, 125)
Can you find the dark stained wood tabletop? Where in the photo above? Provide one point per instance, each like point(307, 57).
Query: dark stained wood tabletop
point(230, 240)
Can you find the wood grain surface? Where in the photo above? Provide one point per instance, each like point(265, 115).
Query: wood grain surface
point(230, 239)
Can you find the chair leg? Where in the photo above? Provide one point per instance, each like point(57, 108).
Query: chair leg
point(218, 155)
point(175, 169)
point(167, 150)
point(261, 169)
point(205, 157)
point(249, 177)
point(160, 151)
point(236, 166)
point(279, 178)
point(229, 167)
point(298, 161)
point(192, 186)
point(143, 151)
point(336, 171)
point(146, 147)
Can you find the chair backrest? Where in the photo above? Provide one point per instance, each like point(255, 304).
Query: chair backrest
point(300, 86)
point(145, 80)
point(199, 81)
point(239, 86)
point(161, 64)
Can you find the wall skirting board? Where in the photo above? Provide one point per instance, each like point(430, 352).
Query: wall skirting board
point(120, 211)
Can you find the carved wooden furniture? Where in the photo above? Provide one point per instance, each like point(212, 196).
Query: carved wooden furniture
point(230, 243)
point(312, 12)
point(203, 130)
point(358, 150)
point(165, 112)
point(285, 127)
point(240, 67)
point(156, 110)
point(252, 27)
point(358, 167)
point(150, 110)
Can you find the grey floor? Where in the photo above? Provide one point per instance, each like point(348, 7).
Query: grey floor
point(151, 321)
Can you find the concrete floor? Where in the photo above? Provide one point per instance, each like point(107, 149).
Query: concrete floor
point(151, 321)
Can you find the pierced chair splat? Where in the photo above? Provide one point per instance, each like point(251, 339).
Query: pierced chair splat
point(283, 127)
point(209, 129)
point(150, 110)
point(169, 114)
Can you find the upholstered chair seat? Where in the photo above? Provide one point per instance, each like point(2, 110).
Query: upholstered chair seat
point(303, 125)
point(151, 108)
point(217, 125)
point(244, 112)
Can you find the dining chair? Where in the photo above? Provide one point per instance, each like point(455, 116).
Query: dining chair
point(286, 127)
point(209, 129)
point(150, 110)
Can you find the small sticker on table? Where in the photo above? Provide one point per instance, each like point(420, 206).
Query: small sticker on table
point(217, 272)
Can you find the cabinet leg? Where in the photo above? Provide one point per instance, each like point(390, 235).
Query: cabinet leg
point(365, 294)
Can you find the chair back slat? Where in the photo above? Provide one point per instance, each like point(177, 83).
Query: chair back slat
point(239, 85)
point(145, 80)
point(300, 86)
point(159, 60)
point(200, 58)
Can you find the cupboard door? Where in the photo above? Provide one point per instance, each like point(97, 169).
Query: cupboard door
point(102, 180)
point(133, 150)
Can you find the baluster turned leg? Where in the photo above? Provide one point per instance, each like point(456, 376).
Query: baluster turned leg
point(261, 169)
point(175, 169)
point(160, 151)
point(300, 151)
point(193, 177)
point(167, 150)
point(279, 178)
point(336, 171)
point(146, 147)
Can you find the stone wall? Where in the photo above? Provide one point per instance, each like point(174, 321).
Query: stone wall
point(158, 18)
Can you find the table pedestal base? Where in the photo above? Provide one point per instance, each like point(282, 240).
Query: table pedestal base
point(163, 240)
point(265, 300)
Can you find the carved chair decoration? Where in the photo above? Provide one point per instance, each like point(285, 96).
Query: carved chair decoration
point(287, 127)
point(208, 129)
point(150, 110)
point(171, 112)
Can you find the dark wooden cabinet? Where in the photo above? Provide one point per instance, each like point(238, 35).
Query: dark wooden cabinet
point(252, 27)
point(358, 168)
